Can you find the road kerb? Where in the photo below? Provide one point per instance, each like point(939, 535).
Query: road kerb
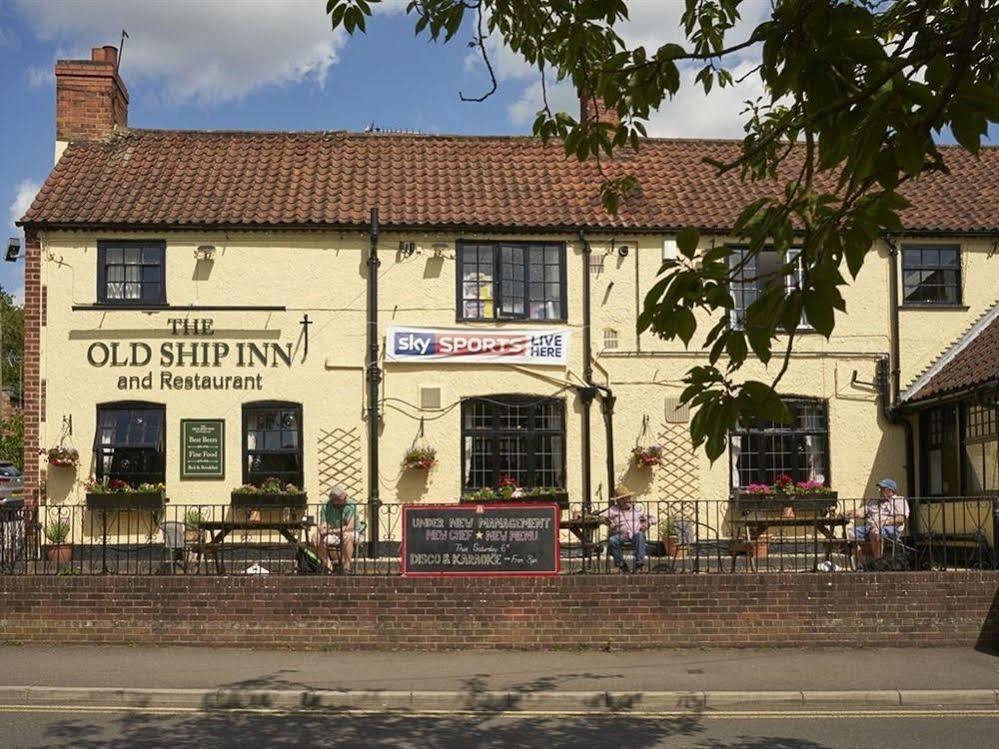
point(592, 702)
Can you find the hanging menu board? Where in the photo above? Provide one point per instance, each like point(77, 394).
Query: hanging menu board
point(480, 539)
point(202, 449)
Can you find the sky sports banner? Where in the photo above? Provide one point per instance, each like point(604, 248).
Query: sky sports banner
point(544, 346)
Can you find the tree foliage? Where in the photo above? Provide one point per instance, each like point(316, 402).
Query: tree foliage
point(12, 340)
point(857, 91)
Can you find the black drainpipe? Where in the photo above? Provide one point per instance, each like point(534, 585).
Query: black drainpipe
point(374, 377)
point(587, 393)
point(591, 389)
point(890, 400)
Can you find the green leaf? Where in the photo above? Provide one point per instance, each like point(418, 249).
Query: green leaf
point(686, 241)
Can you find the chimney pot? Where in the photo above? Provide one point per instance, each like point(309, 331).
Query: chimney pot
point(107, 53)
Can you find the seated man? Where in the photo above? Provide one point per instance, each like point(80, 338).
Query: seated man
point(338, 531)
point(883, 517)
point(628, 521)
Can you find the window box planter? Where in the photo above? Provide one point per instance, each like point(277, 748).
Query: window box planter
point(559, 498)
point(266, 500)
point(126, 500)
point(752, 502)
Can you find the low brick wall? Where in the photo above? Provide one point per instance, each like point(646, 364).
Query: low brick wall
point(639, 611)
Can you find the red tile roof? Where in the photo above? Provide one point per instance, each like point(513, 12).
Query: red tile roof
point(170, 178)
point(971, 362)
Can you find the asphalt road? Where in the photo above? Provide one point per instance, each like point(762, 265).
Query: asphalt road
point(867, 729)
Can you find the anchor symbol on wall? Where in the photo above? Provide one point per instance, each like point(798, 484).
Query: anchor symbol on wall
point(305, 322)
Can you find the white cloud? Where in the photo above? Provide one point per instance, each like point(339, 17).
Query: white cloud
point(25, 194)
point(196, 50)
point(11, 277)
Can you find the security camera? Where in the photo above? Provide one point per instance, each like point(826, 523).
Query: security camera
point(13, 249)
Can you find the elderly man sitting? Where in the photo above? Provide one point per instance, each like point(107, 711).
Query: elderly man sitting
point(628, 521)
point(339, 531)
point(884, 517)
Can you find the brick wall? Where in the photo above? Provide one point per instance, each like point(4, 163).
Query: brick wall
point(32, 360)
point(565, 612)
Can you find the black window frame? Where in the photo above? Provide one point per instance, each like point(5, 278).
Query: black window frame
point(910, 265)
point(740, 285)
point(155, 476)
point(798, 471)
point(257, 477)
point(497, 432)
point(103, 246)
point(529, 249)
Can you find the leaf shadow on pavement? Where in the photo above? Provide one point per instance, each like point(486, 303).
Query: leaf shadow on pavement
point(488, 727)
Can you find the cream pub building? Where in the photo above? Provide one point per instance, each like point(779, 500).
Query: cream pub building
point(239, 278)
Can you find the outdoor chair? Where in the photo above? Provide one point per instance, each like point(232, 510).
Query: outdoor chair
point(178, 550)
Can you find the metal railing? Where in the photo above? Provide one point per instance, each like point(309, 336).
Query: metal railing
point(746, 534)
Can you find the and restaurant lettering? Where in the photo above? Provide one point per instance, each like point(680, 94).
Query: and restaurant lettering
point(182, 352)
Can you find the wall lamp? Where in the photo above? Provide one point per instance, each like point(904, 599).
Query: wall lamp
point(205, 252)
point(406, 249)
point(13, 249)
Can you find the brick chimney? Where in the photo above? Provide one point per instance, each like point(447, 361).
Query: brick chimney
point(595, 108)
point(91, 100)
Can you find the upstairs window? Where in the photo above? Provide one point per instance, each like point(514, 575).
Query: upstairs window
point(931, 274)
point(130, 273)
point(800, 449)
point(516, 437)
point(272, 443)
point(511, 281)
point(753, 275)
point(129, 443)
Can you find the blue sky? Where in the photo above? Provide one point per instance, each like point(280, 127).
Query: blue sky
point(276, 65)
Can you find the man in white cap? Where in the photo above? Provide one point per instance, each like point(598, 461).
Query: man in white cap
point(339, 530)
point(628, 521)
point(884, 517)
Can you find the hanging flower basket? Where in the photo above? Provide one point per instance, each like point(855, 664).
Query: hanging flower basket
point(62, 457)
point(648, 457)
point(419, 459)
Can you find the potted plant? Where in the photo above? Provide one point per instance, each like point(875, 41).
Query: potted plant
point(420, 458)
point(648, 457)
point(669, 533)
point(62, 457)
point(119, 494)
point(57, 550)
point(193, 532)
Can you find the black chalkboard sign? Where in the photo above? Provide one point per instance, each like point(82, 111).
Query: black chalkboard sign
point(487, 539)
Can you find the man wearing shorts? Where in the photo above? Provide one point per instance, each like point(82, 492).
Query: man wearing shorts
point(883, 517)
point(338, 531)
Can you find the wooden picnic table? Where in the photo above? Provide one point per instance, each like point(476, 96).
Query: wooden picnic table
point(584, 530)
point(290, 530)
point(826, 527)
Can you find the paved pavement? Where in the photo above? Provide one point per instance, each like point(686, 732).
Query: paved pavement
point(56, 730)
point(478, 671)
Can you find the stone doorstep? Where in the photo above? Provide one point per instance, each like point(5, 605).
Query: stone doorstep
point(486, 701)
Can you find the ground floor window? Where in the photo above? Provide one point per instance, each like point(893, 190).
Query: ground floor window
point(981, 448)
point(129, 443)
point(800, 449)
point(272, 442)
point(938, 437)
point(513, 436)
